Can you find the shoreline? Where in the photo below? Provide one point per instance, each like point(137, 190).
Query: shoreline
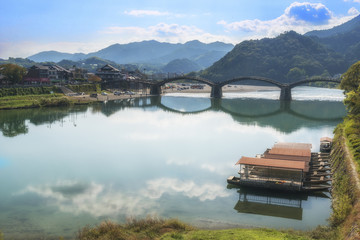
point(207, 89)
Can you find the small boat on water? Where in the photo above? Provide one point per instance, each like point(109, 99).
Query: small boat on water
point(325, 144)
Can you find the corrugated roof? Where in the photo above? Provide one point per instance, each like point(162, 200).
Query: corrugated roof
point(266, 162)
point(291, 152)
point(293, 145)
point(288, 157)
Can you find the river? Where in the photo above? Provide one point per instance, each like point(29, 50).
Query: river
point(169, 156)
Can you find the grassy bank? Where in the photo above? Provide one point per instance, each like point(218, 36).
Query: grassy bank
point(154, 228)
point(345, 218)
point(34, 101)
point(22, 91)
point(34, 97)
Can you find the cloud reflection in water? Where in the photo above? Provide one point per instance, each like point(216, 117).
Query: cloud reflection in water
point(96, 199)
point(76, 197)
point(156, 188)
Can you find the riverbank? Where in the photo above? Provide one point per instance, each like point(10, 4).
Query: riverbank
point(154, 228)
point(48, 99)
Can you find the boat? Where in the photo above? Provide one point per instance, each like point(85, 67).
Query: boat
point(325, 144)
point(287, 166)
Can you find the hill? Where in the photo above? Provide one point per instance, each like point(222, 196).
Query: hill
point(286, 58)
point(153, 52)
point(343, 28)
point(54, 56)
point(181, 66)
point(344, 39)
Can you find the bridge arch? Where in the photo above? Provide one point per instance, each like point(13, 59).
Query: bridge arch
point(156, 87)
point(217, 89)
point(201, 80)
point(255, 78)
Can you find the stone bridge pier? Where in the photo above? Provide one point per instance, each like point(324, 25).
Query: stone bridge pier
point(155, 89)
point(216, 91)
point(285, 93)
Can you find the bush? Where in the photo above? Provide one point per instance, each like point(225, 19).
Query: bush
point(4, 92)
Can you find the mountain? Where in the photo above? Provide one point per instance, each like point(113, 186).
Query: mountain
point(343, 28)
point(344, 39)
point(286, 58)
point(181, 66)
point(54, 56)
point(153, 52)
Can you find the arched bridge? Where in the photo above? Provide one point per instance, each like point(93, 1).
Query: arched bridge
point(216, 87)
point(156, 88)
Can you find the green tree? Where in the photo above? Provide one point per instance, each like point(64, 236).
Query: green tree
point(295, 74)
point(351, 79)
point(12, 72)
point(352, 101)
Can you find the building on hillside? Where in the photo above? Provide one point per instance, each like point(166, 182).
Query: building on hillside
point(78, 74)
point(46, 74)
point(58, 74)
point(37, 74)
point(109, 73)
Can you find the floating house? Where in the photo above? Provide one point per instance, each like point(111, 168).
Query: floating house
point(325, 144)
point(286, 166)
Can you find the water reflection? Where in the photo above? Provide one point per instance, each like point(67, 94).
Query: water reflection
point(91, 198)
point(14, 122)
point(283, 116)
point(272, 203)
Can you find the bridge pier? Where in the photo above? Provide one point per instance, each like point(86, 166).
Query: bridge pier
point(155, 90)
point(216, 91)
point(285, 93)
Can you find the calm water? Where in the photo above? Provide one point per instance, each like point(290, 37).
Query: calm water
point(63, 168)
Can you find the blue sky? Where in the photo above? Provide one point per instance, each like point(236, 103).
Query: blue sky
point(30, 26)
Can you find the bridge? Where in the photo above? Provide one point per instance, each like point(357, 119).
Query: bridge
point(216, 87)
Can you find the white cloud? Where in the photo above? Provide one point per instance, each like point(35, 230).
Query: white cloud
point(353, 11)
point(300, 17)
point(163, 32)
point(141, 13)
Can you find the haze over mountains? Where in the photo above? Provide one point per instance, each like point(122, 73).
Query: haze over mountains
point(153, 52)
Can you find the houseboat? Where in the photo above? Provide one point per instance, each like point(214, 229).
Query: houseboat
point(325, 144)
point(286, 166)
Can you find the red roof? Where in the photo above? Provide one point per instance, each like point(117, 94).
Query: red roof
point(291, 152)
point(293, 145)
point(266, 162)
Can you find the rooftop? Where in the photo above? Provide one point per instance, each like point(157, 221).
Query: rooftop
point(293, 145)
point(266, 162)
point(291, 151)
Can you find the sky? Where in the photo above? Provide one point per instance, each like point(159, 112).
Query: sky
point(31, 26)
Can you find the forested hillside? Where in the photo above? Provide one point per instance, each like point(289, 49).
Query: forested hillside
point(286, 58)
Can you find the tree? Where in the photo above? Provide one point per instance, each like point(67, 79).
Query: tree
point(295, 74)
point(94, 78)
point(13, 73)
point(351, 79)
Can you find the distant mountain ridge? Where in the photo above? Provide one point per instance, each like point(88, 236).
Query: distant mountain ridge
point(344, 39)
point(146, 52)
point(343, 28)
